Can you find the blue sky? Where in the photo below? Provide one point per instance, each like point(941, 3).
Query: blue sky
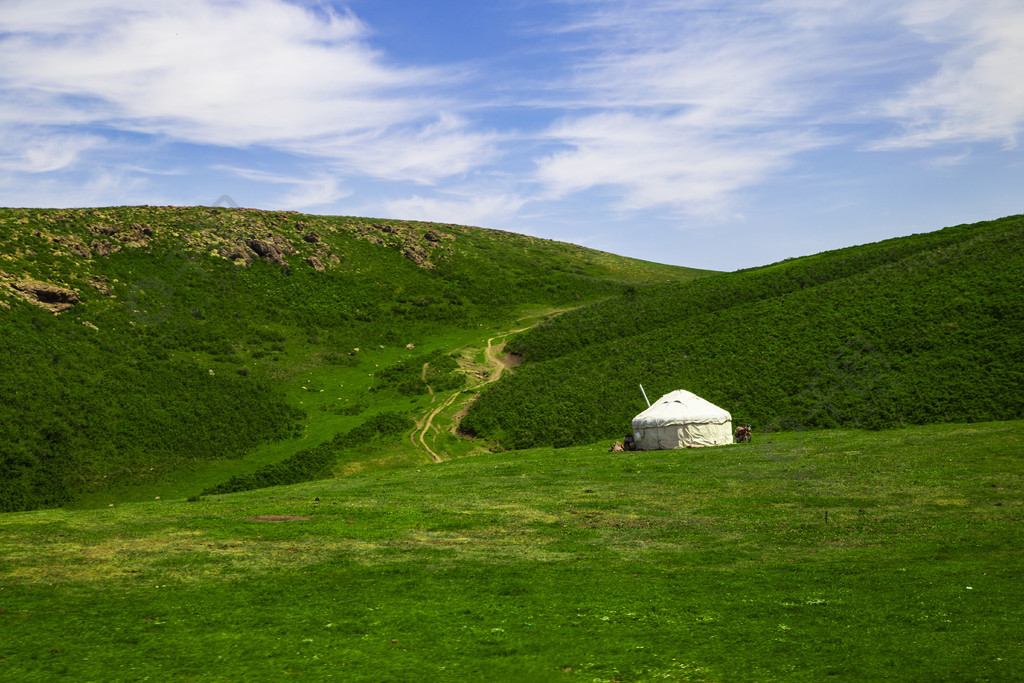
point(708, 134)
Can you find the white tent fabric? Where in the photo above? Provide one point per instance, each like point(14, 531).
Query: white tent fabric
point(681, 419)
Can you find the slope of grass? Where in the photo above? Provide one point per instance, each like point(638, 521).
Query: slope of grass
point(842, 555)
point(916, 330)
point(196, 327)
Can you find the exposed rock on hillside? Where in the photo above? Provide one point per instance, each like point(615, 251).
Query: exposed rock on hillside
point(417, 255)
point(237, 253)
point(414, 245)
point(137, 235)
point(74, 244)
point(101, 285)
point(104, 247)
point(103, 229)
point(43, 294)
point(268, 250)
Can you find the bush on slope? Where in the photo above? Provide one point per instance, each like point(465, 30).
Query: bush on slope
point(86, 409)
point(642, 310)
point(934, 335)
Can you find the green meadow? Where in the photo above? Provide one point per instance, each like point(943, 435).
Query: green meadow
point(826, 555)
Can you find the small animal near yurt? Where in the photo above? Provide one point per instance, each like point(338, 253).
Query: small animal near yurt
point(681, 419)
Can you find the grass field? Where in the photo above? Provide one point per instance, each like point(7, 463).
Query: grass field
point(824, 555)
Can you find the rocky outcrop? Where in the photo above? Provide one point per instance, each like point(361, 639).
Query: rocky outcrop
point(137, 235)
point(237, 253)
point(268, 250)
point(74, 244)
point(51, 297)
point(271, 247)
point(103, 229)
point(282, 243)
point(316, 264)
point(101, 285)
point(413, 244)
point(104, 247)
point(417, 255)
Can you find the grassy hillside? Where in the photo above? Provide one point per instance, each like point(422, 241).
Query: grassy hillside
point(828, 555)
point(174, 348)
point(922, 329)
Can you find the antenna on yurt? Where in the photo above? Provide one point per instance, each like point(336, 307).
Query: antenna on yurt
point(645, 395)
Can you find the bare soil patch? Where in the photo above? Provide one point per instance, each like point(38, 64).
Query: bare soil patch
point(281, 518)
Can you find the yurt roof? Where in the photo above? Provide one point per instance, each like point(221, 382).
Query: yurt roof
point(681, 407)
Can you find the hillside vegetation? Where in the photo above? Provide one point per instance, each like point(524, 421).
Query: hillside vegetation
point(915, 330)
point(140, 343)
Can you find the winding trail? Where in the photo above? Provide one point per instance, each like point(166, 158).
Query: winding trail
point(496, 363)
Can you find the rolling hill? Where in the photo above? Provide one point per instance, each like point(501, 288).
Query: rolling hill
point(914, 330)
point(142, 344)
point(188, 350)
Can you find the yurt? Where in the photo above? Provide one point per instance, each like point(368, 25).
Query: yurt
point(681, 419)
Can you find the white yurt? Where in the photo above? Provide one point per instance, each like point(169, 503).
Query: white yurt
point(681, 419)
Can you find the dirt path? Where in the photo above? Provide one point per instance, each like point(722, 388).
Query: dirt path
point(423, 376)
point(427, 424)
point(498, 360)
point(496, 363)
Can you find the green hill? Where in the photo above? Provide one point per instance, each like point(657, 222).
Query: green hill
point(922, 329)
point(171, 351)
point(145, 346)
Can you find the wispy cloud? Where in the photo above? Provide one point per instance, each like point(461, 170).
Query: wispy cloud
point(682, 105)
point(448, 146)
point(106, 186)
point(26, 152)
point(249, 72)
point(977, 93)
point(663, 160)
point(306, 192)
point(489, 210)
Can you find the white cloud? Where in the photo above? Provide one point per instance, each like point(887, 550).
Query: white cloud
point(691, 105)
point(948, 160)
point(685, 105)
point(976, 93)
point(470, 209)
point(30, 152)
point(95, 187)
point(318, 190)
point(662, 160)
point(242, 73)
point(445, 147)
